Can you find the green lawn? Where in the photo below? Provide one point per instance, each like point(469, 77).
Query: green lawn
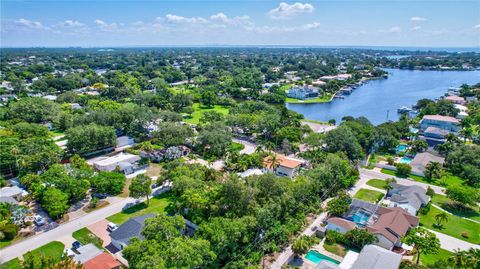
point(377, 183)
point(85, 236)
point(322, 99)
point(157, 205)
point(454, 227)
point(336, 249)
point(428, 259)
point(236, 147)
point(445, 203)
point(448, 180)
point(199, 111)
point(368, 195)
point(11, 264)
point(4, 243)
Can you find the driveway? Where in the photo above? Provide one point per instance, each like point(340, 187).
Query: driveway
point(100, 229)
point(249, 147)
point(451, 243)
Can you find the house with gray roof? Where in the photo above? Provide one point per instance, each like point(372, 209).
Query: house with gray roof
point(14, 192)
point(86, 253)
point(375, 257)
point(410, 198)
point(130, 229)
point(421, 160)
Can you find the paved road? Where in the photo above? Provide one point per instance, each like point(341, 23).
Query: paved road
point(249, 147)
point(451, 243)
point(366, 174)
point(31, 243)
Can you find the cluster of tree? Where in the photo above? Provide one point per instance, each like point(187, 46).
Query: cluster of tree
point(353, 239)
point(12, 218)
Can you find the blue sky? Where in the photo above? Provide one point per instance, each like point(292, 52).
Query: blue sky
point(425, 23)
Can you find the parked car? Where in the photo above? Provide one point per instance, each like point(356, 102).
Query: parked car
point(155, 185)
point(39, 220)
point(99, 195)
point(76, 245)
point(111, 227)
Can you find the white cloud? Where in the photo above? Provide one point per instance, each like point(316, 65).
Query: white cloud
point(30, 25)
point(416, 28)
point(285, 11)
point(71, 23)
point(106, 27)
point(284, 29)
point(418, 19)
point(392, 30)
point(174, 19)
point(477, 26)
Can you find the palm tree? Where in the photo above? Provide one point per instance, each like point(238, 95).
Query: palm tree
point(433, 170)
point(272, 160)
point(441, 217)
point(467, 133)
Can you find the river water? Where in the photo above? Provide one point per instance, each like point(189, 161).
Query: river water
point(378, 100)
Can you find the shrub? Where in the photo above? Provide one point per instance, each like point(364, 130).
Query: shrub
point(424, 210)
point(465, 235)
point(334, 237)
point(430, 191)
point(9, 231)
point(390, 160)
point(403, 169)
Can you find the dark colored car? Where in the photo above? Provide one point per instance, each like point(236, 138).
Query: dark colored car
point(76, 245)
point(99, 195)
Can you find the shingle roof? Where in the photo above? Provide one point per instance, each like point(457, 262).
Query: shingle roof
point(414, 195)
point(350, 225)
point(10, 191)
point(441, 118)
point(424, 158)
point(392, 223)
point(130, 229)
point(375, 257)
point(87, 252)
point(102, 261)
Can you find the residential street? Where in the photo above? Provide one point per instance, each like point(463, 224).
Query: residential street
point(20, 248)
point(451, 243)
point(366, 174)
point(249, 146)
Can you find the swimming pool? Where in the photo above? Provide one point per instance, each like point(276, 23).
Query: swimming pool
point(405, 160)
point(317, 257)
point(360, 217)
point(401, 148)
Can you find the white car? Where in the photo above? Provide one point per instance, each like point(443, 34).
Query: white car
point(38, 220)
point(111, 226)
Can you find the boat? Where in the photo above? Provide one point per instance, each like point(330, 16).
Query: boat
point(404, 109)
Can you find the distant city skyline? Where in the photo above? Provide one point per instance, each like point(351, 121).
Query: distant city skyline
point(114, 23)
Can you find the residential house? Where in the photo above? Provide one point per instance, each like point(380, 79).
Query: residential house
point(421, 160)
point(86, 253)
point(434, 128)
point(302, 93)
point(410, 198)
point(169, 153)
point(128, 230)
point(282, 165)
point(102, 261)
point(14, 192)
point(124, 161)
point(374, 257)
point(390, 225)
point(456, 99)
point(340, 225)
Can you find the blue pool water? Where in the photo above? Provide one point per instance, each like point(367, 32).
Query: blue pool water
point(405, 160)
point(316, 257)
point(401, 148)
point(361, 217)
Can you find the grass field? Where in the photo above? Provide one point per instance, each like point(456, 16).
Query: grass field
point(199, 111)
point(11, 264)
point(85, 236)
point(53, 250)
point(368, 195)
point(377, 183)
point(157, 205)
point(444, 202)
point(429, 259)
point(454, 227)
point(4, 243)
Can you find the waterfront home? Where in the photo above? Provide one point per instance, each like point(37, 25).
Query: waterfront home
point(421, 160)
point(319, 83)
point(374, 257)
point(336, 77)
point(456, 99)
point(124, 161)
point(131, 229)
point(282, 165)
point(410, 198)
point(446, 123)
point(302, 92)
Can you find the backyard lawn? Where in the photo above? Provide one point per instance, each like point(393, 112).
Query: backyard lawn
point(53, 249)
point(199, 111)
point(454, 227)
point(157, 205)
point(429, 259)
point(369, 195)
point(447, 204)
point(85, 236)
point(321, 99)
point(336, 249)
point(377, 183)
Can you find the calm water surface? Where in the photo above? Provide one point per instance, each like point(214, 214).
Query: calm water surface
point(378, 99)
